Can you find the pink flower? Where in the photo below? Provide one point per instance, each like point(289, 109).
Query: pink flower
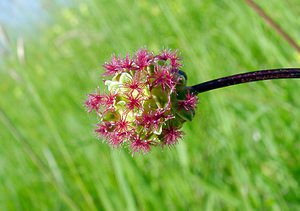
point(113, 67)
point(163, 77)
point(171, 56)
point(109, 101)
point(171, 136)
point(139, 145)
point(93, 102)
point(146, 96)
point(117, 138)
point(153, 119)
point(104, 129)
point(122, 125)
point(136, 84)
point(142, 58)
point(127, 63)
point(189, 103)
point(134, 102)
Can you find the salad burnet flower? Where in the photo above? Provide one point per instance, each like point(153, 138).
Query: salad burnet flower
point(146, 103)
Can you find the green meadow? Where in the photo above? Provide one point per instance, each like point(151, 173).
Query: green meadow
point(240, 152)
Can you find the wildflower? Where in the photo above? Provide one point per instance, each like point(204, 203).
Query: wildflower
point(147, 101)
point(163, 77)
point(143, 58)
point(139, 145)
point(112, 67)
point(189, 103)
point(171, 135)
point(104, 129)
point(93, 102)
point(127, 63)
point(135, 84)
point(171, 56)
point(117, 138)
point(152, 120)
point(134, 101)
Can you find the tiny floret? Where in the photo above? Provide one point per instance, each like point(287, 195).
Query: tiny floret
point(146, 102)
point(93, 102)
point(189, 103)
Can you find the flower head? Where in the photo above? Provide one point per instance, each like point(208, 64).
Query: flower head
point(147, 101)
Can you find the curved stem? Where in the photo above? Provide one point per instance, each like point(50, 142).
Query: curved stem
point(273, 24)
point(260, 75)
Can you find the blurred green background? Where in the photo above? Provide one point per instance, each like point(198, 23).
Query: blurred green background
point(241, 152)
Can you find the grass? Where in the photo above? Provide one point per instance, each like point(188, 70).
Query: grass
point(241, 152)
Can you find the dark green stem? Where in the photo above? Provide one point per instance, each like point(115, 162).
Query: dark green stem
point(260, 75)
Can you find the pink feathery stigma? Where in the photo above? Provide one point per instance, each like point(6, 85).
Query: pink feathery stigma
point(127, 63)
point(134, 102)
point(117, 138)
point(147, 101)
point(153, 119)
point(172, 135)
point(135, 84)
point(163, 77)
point(171, 56)
point(189, 103)
point(104, 129)
point(143, 58)
point(113, 67)
point(139, 145)
point(94, 101)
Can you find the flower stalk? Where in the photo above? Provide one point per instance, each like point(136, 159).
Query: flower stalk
point(260, 75)
point(284, 34)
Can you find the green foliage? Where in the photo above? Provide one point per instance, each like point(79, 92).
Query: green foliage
point(240, 152)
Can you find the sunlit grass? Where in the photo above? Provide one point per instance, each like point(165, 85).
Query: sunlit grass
point(240, 152)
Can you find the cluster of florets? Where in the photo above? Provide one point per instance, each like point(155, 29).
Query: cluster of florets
point(147, 101)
